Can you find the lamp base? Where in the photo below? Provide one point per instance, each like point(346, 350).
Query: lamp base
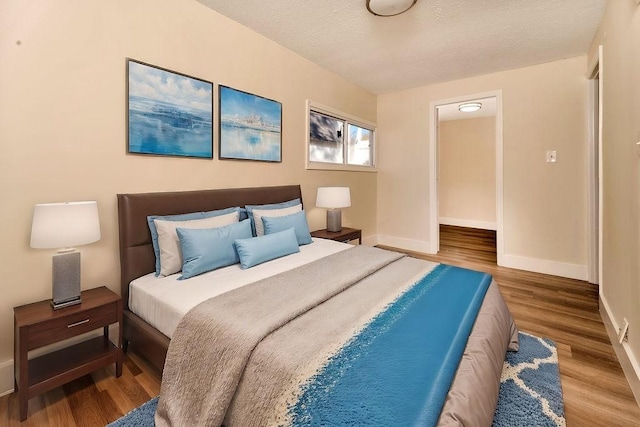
point(63, 304)
point(66, 279)
point(334, 220)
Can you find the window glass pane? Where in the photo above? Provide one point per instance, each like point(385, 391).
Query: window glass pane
point(325, 138)
point(360, 146)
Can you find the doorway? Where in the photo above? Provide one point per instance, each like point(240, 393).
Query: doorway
point(467, 178)
point(438, 206)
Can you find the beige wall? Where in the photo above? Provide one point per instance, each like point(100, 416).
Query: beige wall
point(63, 130)
point(620, 37)
point(467, 162)
point(544, 108)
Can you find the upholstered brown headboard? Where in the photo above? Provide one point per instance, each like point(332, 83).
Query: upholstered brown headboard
point(136, 252)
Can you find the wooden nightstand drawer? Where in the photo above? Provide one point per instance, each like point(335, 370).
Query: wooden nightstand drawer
point(55, 330)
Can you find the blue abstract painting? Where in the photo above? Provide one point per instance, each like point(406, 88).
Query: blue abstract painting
point(250, 126)
point(168, 113)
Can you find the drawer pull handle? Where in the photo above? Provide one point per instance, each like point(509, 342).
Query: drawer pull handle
point(82, 322)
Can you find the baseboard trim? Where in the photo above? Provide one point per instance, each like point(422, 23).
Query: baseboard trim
point(536, 265)
point(628, 361)
point(370, 240)
point(6, 377)
point(545, 266)
point(483, 225)
point(406, 244)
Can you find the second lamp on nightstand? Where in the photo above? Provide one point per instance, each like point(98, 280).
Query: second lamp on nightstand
point(333, 198)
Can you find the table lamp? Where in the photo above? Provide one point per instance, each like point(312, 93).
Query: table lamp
point(333, 198)
point(63, 225)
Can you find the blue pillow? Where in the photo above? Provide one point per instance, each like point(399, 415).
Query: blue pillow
point(257, 250)
point(250, 209)
point(243, 214)
point(209, 248)
point(180, 217)
point(297, 220)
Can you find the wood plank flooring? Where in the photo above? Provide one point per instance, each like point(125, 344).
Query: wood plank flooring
point(595, 390)
point(92, 400)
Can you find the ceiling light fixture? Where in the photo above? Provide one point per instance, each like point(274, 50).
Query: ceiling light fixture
point(469, 107)
point(389, 7)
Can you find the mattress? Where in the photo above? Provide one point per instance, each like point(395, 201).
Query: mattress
point(163, 301)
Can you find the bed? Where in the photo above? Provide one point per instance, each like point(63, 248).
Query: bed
point(470, 399)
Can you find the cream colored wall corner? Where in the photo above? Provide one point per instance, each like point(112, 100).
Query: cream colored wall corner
point(467, 178)
point(544, 108)
point(619, 36)
point(63, 127)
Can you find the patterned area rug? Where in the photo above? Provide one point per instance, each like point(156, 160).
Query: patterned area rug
point(530, 391)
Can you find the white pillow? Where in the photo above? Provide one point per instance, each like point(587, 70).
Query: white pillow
point(259, 213)
point(169, 244)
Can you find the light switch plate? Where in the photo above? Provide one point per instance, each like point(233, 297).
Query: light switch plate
point(552, 156)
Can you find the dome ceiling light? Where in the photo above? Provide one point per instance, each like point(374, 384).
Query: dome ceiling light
point(469, 107)
point(389, 7)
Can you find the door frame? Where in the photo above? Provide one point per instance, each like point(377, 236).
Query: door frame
point(434, 221)
point(595, 187)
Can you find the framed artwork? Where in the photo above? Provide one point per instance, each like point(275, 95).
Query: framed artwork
point(168, 113)
point(250, 126)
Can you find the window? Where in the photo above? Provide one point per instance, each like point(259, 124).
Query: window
point(325, 138)
point(338, 141)
point(359, 146)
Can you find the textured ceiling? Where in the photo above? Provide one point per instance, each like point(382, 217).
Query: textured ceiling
point(437, 40)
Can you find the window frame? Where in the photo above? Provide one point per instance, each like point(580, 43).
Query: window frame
point(347, 119)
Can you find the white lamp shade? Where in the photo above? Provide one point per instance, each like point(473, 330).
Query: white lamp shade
point(63, 225)
point(333, 197)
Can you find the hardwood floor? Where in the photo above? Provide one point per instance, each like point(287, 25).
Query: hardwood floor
point(93, 400)
point(596, 392)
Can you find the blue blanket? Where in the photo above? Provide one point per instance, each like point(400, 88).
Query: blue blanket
point(398, 369)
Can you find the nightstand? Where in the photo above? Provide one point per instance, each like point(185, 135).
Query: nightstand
point(37, 325)
point(345, 235)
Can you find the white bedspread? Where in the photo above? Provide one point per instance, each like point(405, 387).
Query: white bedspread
point(163, 301)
